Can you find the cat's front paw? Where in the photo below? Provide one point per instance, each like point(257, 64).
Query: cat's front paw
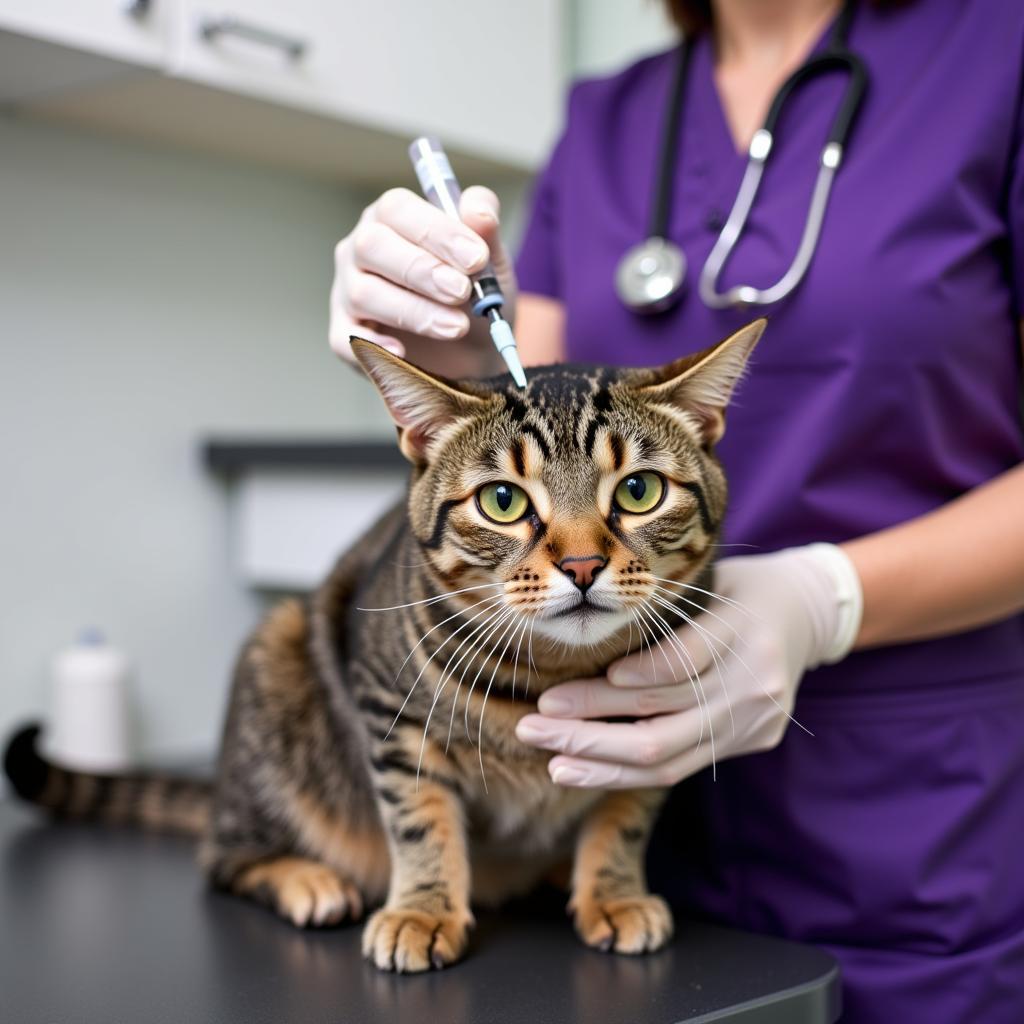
point(634, 924)
point(406, 940)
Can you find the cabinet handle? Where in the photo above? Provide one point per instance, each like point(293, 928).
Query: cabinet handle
point(212, 28)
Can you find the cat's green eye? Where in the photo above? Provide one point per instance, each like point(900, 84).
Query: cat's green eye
point(639, 492)
point(504, 502)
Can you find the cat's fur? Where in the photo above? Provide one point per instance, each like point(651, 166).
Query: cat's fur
point(369, 756)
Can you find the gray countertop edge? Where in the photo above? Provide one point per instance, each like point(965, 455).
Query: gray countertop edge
point(764, 1010)
point(229, 455)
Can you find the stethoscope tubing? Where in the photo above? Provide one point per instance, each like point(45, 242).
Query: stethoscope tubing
point(761, 145)
point(837, 56)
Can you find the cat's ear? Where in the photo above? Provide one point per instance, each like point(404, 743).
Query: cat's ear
point(701, 384)
point(422, 406)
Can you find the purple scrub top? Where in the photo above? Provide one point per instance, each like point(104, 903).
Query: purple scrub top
point(888, 384)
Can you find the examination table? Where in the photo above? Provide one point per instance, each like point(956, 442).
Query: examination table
point(116, 927)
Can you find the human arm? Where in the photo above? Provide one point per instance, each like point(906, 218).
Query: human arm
point(956, 568)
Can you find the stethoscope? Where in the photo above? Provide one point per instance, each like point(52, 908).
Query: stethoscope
point(650, 276)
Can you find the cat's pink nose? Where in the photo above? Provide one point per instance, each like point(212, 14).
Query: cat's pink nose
point(582, 569)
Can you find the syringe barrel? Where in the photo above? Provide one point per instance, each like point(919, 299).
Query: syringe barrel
point(435, 175)
point(439, 184)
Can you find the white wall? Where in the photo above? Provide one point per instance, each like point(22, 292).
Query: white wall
point(605, 35)
point(146, 299)
point(149, 297)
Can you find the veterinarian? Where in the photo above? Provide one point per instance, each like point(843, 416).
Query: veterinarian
point(880, 423)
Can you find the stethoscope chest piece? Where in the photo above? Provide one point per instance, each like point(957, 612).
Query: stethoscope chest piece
point(649, 277)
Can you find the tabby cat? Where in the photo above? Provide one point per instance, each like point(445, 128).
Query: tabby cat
point(369, 756)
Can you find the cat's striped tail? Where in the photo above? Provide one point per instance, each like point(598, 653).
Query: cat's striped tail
point(151, 801)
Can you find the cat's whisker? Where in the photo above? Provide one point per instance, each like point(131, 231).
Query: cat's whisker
point(695, 681)
point(677, 643)
point(531, 666)
point(441, 681)
point(497, 613)
point(710, 593)
point(715, 656)
point(479, 672)
point(482, 634)
point(462, 611)
point(633, 619)
point(434, 599)
point(699, 696)
point(487, 692)
point(701, 610)
point(689, 620)
point(515, 664)
point(704, 633)
point(652, 635)
point(661, 650)
point(644, 636)
point(477, 648)
point(472, 653)
point(437, 650)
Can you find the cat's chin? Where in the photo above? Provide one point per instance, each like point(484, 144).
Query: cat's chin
point(583, 627)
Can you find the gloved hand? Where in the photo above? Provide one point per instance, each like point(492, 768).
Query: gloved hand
point(778, 615)
point(403, 272)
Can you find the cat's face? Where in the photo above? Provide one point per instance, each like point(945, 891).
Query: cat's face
point(576, 499)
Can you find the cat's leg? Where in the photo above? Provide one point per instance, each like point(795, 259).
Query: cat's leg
point(275, 847)
point(285, 850)
point(426, 918)
point(305, 892)
point(611, 906)
point(293, 824)
point(242, 855)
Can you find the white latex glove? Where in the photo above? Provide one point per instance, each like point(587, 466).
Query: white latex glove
point(404, 271)
point(778, 615)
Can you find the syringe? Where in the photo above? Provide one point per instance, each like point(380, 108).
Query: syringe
point(439, 185)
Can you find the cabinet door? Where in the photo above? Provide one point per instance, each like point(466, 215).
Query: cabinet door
point(134, 32)
point(485, 75)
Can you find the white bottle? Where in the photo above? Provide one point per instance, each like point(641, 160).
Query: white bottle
point(89, 699)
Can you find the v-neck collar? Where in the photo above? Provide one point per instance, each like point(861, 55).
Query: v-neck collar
point(704, 66)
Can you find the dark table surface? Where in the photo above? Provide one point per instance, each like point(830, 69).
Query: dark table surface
point(115, 927)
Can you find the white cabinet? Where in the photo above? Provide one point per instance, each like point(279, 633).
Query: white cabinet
point(290, 527)
point(119, 29)
point(336, 86)
point(483, 74)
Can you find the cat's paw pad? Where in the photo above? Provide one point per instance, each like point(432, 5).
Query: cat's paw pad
point(313, 896)
point(407, 941)
point(635, 924)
